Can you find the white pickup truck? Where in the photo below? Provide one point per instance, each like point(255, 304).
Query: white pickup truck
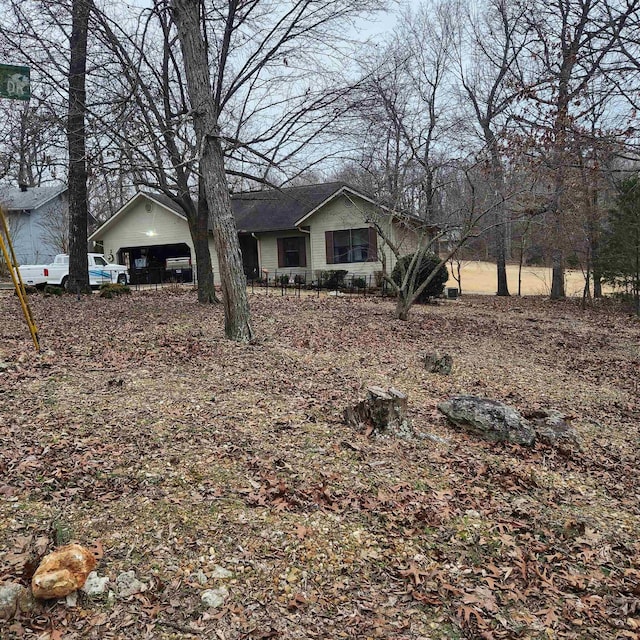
point(57, 273)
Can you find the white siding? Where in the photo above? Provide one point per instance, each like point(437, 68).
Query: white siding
point(269, 254)
point(337, 215)
point(140, 227)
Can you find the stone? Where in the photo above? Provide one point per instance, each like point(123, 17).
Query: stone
point(553, 429)
point(62, 572)
point(26, 601)
point(214, 598)
point(490, 419)
point(127, 584)
point(200, 577)
point(436, 363)
point(96, 585)
point(382, 410)
point(72, 600)
point(220, 572)
point(10, 593)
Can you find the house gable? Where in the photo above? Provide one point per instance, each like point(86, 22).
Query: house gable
point(37, 219)
point(141, 202)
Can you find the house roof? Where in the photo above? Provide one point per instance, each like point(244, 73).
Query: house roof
point(259, 211)
point(282, 209)
point(34, 197)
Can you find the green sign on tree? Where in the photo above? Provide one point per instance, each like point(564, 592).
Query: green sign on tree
point(14, 82)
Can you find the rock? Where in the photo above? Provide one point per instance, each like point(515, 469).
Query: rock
point(72, 600)
point(127, 584)
point(436, 363)
point(221, 572)
point(63, 571)
point(553, 429)
point(10, 593)
point(200, 577)
point(382, 410)
point(489, 419)
point(26, 601)
point(95, 585)
point(214, 598)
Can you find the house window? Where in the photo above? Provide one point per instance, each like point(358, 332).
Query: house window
point(351, 245)
point(292, 252)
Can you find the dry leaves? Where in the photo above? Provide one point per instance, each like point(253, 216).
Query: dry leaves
point(140, 427)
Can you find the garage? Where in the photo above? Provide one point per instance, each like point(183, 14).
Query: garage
point(158, 263)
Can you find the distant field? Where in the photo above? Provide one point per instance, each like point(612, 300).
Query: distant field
point(480, 277)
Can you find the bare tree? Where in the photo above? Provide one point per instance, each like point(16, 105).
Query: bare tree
point(152, 139)
point(78, 203)
point(251, 48)
point(211, 160)
point(488, 54)
point(404, 109)
point(571, 43)
point(466, 215)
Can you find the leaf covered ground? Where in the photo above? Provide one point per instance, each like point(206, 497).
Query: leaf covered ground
point(139, 427)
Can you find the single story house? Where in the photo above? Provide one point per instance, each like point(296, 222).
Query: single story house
point(294, 231)
point(37, 218)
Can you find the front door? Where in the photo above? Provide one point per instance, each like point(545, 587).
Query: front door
point(250, 263)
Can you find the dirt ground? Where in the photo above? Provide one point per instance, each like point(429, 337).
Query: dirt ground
point(480, 278)
point(139, 427)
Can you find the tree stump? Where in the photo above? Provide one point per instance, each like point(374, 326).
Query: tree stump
point(436, 363)
point(382, 411)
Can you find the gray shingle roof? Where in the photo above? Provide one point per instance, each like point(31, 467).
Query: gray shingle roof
point(271, 209)
point(278, 210)
point(16, 200)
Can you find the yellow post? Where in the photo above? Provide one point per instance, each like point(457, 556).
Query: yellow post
point(12, 263)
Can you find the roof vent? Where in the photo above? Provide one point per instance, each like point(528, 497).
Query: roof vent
point(148, 206)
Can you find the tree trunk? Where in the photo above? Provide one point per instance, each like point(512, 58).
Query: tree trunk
point(78, 208)
point(205, 119)
point(199, 227)
point(595, 259)
point(500, 231)
point(557, 274)
point(501, 257)
point(402, 307)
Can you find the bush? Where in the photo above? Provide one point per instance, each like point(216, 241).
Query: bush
point(52, 290)
point(332, 278)
point(359, 283)
point(110, 290)
point(428, 264)
point(28, 289)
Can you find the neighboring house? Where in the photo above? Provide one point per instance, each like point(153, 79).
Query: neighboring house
point(37, 219)
point(293, 231)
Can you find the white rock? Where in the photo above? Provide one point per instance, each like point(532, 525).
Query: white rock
point(95, 585)
point(127, 584)
point(200, 577)
point(9, 595)
point(214, 597)
point(221, 572)
point(72, 600)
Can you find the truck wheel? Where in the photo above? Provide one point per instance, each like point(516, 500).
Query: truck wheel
point(65, 283)
point(122, 278)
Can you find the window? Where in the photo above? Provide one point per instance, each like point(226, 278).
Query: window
point(351, 245)
point(100, 261)
point(292, 252)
